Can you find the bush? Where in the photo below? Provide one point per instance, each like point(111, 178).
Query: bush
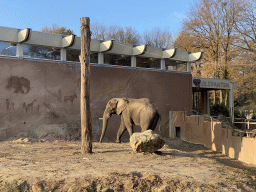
point(219, 109)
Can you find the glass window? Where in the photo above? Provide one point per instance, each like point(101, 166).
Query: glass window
point(148, 62)
point(94, 58)
point(182, 66)
point(73, 55)
point(122, 60)
point(41, 52)
point(7, 49)
point(175, 65)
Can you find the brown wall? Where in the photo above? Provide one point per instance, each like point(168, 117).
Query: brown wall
point(50, 84)
point(213, 136)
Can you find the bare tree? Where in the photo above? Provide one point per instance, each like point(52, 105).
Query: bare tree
point(99, 31)
point(120, 34)
point(246, 26)
point(186, 41)
point(158, 38)
point(211, 26)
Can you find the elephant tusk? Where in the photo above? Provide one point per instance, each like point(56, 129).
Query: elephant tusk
point(101, 118)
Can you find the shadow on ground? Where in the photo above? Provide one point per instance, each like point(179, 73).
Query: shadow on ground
point(202, 151)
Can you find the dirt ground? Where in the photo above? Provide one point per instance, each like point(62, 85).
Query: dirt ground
point(27, 165)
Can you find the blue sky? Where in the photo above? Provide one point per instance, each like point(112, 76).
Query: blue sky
point(140, 14)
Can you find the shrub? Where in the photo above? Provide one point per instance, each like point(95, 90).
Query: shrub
point(219, 109)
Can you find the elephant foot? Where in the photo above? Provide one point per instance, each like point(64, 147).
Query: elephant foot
point(117, 141)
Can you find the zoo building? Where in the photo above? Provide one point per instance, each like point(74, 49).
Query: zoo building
point(40, 84)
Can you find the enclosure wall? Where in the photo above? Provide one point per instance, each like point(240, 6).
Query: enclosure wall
point(36, 93)
point(212, 135)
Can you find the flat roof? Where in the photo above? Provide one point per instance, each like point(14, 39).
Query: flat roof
point(29, 37)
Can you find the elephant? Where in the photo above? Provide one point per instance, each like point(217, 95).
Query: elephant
point(140, 112)
point(18, 83)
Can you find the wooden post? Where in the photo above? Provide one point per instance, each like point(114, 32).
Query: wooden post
point(86, 129)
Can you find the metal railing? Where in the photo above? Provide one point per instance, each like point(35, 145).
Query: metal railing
point(245, 122)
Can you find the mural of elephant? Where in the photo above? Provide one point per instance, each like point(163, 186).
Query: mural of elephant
point(140, 112)
point(18, 83)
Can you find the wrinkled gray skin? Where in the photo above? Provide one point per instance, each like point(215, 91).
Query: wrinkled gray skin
point(140, 112)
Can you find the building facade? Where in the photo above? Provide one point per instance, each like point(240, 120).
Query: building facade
point(40, 91)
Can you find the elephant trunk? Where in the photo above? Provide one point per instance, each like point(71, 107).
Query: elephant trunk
point(106, 116)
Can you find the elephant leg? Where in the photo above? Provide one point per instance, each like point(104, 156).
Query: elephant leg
point(120, 132)
point(145, 125)
point(129, 127)
point(154, 123)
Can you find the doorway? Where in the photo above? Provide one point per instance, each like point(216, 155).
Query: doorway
point(177, 132)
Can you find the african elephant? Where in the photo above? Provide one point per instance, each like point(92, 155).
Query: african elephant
point(18, 83)
point(140, 112)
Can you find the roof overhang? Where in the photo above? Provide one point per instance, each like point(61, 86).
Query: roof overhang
point(27, 36)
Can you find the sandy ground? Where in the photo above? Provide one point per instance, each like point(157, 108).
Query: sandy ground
point(178, 166)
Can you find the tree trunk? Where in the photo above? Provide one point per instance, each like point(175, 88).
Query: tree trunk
point(214, 97)
point(221, 97)
point(226, 97)
point(86, 129)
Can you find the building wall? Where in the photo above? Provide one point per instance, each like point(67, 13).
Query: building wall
point(213, 136)
point(35, 93)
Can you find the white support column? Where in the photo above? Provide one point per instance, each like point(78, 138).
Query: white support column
point(231, 102)
point(163, 64)
point(133, 61)
point(208, 103)
point(100, 58)
point(19, 51)
point(188, 67)
point(63, 54)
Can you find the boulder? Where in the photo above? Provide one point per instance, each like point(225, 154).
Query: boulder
point(147, 141)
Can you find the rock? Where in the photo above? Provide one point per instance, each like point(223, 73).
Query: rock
point(147, 141)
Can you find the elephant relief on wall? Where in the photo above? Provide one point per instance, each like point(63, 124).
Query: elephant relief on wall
point(140, 112)
point(19, 84)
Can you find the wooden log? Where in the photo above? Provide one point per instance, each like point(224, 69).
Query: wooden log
point(86, 129)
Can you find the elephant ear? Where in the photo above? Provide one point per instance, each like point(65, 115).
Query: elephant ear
point(121, 106)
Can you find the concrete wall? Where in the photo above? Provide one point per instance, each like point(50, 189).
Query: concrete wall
point(213, 136)
point(34, 94)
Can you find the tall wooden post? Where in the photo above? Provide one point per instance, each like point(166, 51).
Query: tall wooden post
point(86, 129)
